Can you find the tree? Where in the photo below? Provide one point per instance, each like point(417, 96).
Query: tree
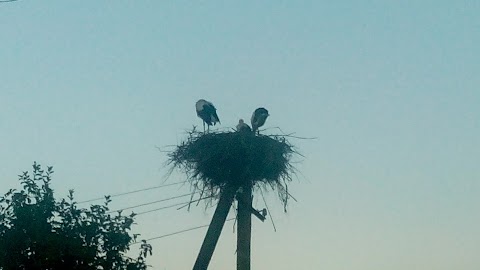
point(38, 232)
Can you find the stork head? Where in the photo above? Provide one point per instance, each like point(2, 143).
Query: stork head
point(262, 111)
point(200, 103)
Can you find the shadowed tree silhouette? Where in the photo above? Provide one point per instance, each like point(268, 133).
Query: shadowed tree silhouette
point(37, 232)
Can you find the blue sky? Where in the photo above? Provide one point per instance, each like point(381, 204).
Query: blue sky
point(389, 88)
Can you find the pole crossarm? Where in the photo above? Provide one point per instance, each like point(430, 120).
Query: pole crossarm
point(260, 215)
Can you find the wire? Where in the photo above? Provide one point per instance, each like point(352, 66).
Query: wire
point(149, 203)
point(170, 206)
point(131, 192)
point(178, 232)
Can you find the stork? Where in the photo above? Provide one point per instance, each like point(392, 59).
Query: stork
point(207, 112)
point(258, 118)
point(242, 127)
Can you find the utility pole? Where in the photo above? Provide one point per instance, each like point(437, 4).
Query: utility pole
point(216, 225)
point(244, 232)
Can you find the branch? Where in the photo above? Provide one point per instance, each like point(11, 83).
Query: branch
point(289, 135)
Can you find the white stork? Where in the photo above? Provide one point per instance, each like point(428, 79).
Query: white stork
point(258, 118)
point(242, 127)
point(207, 112)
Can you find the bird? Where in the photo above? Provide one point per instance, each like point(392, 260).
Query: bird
point(258, 118)
point(242, 127)
point(207, 112)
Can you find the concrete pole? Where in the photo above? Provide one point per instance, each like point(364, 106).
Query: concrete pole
point(244, 233)
point(215, 228)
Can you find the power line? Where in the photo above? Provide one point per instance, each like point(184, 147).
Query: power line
point(178, 232)
point(170, 206)
point(131, 192)
point(149, 203)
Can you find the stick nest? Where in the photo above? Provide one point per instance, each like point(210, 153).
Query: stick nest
point(214, 160)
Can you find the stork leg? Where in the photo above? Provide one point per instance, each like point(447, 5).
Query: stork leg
point(203, 126)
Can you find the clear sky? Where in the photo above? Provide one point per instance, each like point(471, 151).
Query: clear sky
point(390, 88)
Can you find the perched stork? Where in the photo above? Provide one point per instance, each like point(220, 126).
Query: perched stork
point(258, 118)
point(207, 112)
point(242, 127)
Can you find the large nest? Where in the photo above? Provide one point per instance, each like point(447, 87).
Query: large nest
point(217, 159)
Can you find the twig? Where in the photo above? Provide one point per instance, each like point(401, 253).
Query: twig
point(269, 213)
point(187, 204)
point(289, 135)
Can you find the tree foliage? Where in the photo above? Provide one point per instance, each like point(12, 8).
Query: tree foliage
point(38, 232)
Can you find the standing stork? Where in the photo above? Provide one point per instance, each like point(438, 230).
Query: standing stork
point(258, 118)
point(207, 112)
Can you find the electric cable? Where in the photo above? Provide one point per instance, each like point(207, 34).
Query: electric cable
point(178, 232)
point(170, 206)
point(153, 202)
point(131, 192)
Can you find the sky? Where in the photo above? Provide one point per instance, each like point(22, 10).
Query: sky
point(390, 90)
